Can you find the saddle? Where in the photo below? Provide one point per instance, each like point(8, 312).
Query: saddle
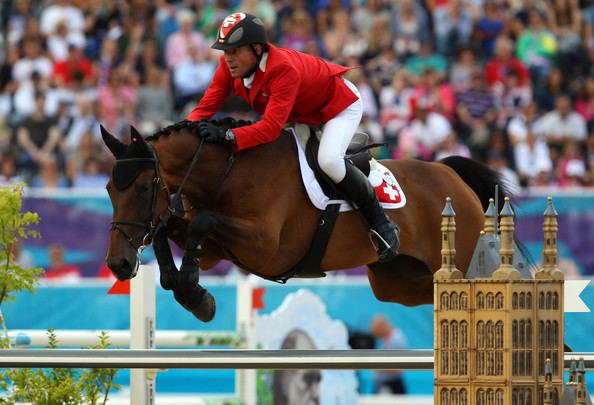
point(357, 154)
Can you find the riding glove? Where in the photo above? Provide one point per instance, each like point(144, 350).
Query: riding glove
point(211, 133)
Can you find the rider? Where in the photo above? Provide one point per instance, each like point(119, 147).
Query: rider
point(284, 85)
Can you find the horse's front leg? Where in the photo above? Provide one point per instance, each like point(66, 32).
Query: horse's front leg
point(187, 291)
point(168, 271)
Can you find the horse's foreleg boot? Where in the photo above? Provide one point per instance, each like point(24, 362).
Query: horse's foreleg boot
point(198, 231)
point(167, 268)
point(193, 297)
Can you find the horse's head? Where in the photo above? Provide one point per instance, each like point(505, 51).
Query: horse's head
point(139, 199)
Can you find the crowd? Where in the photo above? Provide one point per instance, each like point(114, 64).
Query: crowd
point(508, 82)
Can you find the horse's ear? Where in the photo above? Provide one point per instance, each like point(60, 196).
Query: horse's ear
point(135, 136)
point(116, 147)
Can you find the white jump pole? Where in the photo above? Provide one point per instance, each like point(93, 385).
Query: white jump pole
point(142, 333)
point(245, 380)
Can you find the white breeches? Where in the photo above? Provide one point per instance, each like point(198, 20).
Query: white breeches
point(336, 136)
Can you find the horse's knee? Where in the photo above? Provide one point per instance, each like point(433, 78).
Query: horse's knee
point(199, 229)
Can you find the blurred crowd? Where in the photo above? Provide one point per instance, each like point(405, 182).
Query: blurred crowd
point(508, 82)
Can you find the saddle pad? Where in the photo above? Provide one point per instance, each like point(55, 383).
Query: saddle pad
point(388, 190)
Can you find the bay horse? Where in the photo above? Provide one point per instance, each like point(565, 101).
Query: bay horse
point(251, 208)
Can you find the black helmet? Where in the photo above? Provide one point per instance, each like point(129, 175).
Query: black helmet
point(240, 29)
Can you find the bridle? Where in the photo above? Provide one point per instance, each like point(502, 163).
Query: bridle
point(155, 223)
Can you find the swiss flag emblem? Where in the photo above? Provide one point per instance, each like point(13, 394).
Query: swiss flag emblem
point(229, 23)
point(388, 191)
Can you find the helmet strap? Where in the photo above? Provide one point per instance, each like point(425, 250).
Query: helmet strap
point(258, 59)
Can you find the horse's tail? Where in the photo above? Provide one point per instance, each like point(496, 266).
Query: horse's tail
point(482, 180)
point(479, 177)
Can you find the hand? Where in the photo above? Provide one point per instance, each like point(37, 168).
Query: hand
point(211, 133)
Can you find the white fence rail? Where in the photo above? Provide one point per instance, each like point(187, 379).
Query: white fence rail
point(235, 359)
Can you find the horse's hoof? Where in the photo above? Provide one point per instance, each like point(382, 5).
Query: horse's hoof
point(207, 308)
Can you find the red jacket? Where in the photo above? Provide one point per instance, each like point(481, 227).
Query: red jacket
point(498, 71)
point(294, 87)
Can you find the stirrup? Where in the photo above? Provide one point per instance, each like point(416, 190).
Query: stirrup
point(384, 251)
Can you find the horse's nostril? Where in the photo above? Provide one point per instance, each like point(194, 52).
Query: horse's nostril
point(124, 265)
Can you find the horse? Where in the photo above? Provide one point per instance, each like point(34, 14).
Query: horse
point(251, 207)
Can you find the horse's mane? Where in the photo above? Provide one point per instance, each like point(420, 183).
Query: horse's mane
point(192, 126)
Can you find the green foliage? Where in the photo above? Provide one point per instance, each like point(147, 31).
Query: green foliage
point(14, 226)
point(39, 386)
point(60, 385)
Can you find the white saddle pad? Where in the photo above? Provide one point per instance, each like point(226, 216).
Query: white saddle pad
point(386, 186)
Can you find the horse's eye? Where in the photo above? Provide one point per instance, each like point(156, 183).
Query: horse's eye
point(143, 187)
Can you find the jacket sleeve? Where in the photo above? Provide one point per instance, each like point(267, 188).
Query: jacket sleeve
point(283, 85)
point(215, 95)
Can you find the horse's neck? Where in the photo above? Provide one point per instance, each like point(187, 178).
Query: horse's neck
point(252, 171)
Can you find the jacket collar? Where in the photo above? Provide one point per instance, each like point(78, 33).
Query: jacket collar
point(259, 76)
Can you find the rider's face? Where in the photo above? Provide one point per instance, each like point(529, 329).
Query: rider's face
point(240, 60)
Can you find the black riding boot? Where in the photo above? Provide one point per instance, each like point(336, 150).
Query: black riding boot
point(358, 190)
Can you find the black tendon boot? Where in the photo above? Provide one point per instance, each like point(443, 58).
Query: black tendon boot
point(357, 189)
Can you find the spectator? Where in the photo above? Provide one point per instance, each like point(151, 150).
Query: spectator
point(59, 41)
point(430, 129)
point(490, 25)
point(155, 101)
point(537, 46)
point(31, 74)
point(150, 57)
point(75, 63)
point(58, 269)
point(553, 87)
point(90, 176)
point(299, 31)
point(37, 138)
point(410, 27)
point(532, 160)
point(453, 26)
point(8, 170)
point(562, 124)
point(476, 115)
point(395, 104)
point(50, 175)
point(186, 44)
point(584, 105)
point(497, 70)
point(427, 59)
point(117, 99)
point(388, 337)
point(58, 12)
point(567, 26)
point(437, 92)
point(571, 168)
point(460, 75)
point(524, 121)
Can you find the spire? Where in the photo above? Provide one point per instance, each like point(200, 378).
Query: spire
point(490, 215)
point(550, 270)
point(448, 270)
point(506, 270)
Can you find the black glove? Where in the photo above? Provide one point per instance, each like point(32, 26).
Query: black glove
point(211, 133)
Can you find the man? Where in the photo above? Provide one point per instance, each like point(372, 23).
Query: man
point(284, 85)
point(389, 337)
